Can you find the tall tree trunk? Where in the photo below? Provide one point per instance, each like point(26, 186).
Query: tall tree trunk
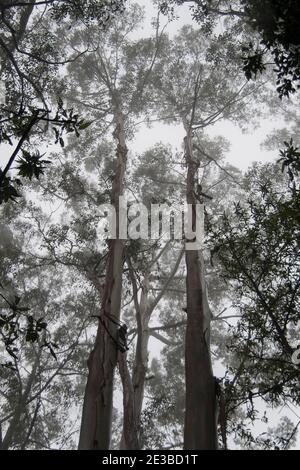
point(143, 314)
point(130, 437)
point(24, 19)
point(95, 430)
point(8, 439)
point(25, 13)
point(144, 309)
point(200, 430)
point(141, 354)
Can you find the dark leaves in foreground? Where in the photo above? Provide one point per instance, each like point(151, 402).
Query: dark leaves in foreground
point(16, 325)
point(31, 164)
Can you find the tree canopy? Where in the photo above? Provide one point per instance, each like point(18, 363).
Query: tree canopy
point(160, 337)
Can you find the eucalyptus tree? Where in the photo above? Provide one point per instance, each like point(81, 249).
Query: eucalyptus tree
point(195, 87)
point(152, 264)
point(110, 86)
point(143, 283)
point(163, 413)
point(76, 245)
point(31, 55)
point(193, 80)
point(249, 342)
point(43, 376)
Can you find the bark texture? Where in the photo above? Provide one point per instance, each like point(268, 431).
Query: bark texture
point(130, 438)
point(200, 430)
point(144, 309)
point(95, 430)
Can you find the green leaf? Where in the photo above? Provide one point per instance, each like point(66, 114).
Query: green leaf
point(84, 125)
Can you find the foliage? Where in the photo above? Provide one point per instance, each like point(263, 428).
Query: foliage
point(21, 126)
point(53, 259)
point(276, 21)
point(27, 108)
point(257, 246)
point(100, 10)
point(290, 159)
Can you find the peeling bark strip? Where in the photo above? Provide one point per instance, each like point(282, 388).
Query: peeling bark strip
point(200, 430)
point(95, 430)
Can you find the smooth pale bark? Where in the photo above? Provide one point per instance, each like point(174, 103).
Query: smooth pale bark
point(96, 421)
point(200, 429)
point(144, 309)
point(141, 354)
point(137, 383)
point(130, 438)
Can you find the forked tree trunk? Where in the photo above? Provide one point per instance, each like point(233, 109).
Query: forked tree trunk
point(200, 429)
point(141, 354)
point(137, 383)
point(96, 421)
point(144, 309)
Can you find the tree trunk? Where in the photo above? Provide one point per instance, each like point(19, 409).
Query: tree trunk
point(141, 355)
point(143, 314)
point(130, 438)
point(8, 439)
point(95, 430)
point(25, 14)
point(200, 430)
point(144, 310)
